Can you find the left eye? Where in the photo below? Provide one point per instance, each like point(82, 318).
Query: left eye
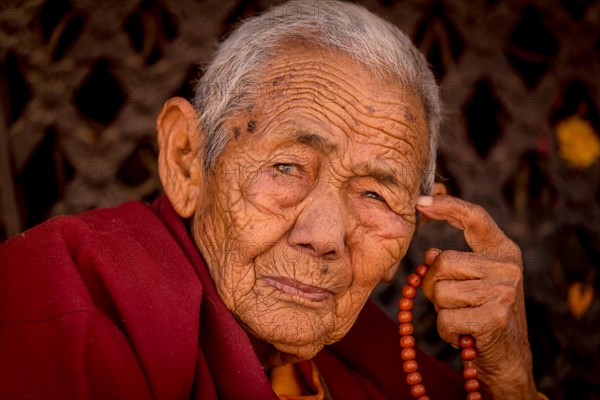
point(373, 195)
point(287, 169)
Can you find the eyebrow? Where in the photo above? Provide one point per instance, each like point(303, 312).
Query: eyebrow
point(325, 146)
point(315, 141)
point(380, 175)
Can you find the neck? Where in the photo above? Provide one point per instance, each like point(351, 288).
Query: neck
point(269, 356)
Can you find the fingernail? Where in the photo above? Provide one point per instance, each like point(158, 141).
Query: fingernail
point(430, 256)
point(425, 201)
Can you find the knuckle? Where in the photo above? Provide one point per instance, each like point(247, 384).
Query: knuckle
point(447, 328)
point(449, 256)
point(514, 273)
point(478, 211)
point(437, 292)
point(506, 294)
point(515, 254)
point(500, 317)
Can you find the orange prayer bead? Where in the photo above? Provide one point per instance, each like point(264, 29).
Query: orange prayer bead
point(405, 304)
point(405, 316)
point(417, 390)
point(413, 378)
point(409, 292)
point(468, 354)
point(410, 366)
point(470, 373)
point(406, 329)
point(407, 341)
point(472, 385)
point(408, 354)
point(422, 270)
point(414, 280)
point(466, 341)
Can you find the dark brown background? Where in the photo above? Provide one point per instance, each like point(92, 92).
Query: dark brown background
point(83, 81)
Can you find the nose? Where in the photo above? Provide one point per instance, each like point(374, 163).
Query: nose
point(320, 228)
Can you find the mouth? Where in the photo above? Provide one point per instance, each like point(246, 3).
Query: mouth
point(294, 288)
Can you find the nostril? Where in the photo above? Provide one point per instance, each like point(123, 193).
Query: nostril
point(330, 254)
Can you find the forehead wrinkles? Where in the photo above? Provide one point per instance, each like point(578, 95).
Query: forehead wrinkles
point(352, 89)
point(358, 103)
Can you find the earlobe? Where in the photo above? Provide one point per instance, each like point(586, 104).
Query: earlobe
point(180, 155)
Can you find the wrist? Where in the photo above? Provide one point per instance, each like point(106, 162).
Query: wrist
point(512, 383)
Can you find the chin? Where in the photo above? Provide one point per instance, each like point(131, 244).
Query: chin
point(291, 332)
point(296, 353)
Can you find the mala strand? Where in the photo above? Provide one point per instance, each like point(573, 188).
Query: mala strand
point(407, 342)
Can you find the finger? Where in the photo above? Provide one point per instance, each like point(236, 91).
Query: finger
point(452, 265)
point(485, 323)
point(480, 231)
point(460, 294)
point(430, 256)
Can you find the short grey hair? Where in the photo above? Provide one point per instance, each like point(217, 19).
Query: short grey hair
point(374, 43)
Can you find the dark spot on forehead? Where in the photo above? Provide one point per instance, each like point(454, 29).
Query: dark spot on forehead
point(407, 113)
point(370, 109)
point(251, 125)
point(236, 132)
point(277, 81)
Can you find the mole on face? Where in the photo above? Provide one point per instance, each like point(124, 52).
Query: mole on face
point(236, 132)
point(251, 126)
point(277, 81)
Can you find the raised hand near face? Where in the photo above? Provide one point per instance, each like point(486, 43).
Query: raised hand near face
point(481, 293)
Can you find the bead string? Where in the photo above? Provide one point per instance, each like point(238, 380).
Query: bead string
point(407, 342)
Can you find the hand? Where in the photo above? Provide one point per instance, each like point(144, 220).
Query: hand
point(481, 293)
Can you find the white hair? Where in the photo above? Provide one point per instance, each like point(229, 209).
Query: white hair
point(374, 43)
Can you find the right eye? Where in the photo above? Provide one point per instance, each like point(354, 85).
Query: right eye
point(374, 196)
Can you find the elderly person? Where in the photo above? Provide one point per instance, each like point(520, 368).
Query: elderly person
point(293, 186)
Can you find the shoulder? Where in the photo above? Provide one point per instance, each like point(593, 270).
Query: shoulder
point(73, 263)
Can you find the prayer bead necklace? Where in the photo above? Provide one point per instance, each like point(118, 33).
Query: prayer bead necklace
point(407, 342)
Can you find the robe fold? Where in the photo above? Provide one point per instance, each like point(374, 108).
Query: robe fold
point(118, 304)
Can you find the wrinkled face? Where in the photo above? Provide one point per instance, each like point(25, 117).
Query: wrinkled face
point(312, 202)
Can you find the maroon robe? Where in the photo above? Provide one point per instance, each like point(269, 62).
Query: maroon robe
point(118, 304)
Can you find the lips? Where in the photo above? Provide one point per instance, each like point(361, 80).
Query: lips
point(295, 288)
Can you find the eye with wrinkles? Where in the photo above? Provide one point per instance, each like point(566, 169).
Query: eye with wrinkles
point(287, 169)
point(374, 196)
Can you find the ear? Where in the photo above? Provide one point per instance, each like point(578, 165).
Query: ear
point(180, 157)
point(438, 189)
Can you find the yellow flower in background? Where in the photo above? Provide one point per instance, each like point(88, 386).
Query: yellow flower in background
point(578, 144)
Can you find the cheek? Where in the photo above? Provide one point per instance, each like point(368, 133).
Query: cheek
point(259, 213)
point(378, 222)
point(377, 246)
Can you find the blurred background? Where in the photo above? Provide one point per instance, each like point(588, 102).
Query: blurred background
point(82, 82)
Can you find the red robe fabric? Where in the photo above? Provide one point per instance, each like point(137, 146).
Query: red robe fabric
point(118, 304)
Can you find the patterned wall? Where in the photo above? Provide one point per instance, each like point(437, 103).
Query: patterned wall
point(82, 82)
